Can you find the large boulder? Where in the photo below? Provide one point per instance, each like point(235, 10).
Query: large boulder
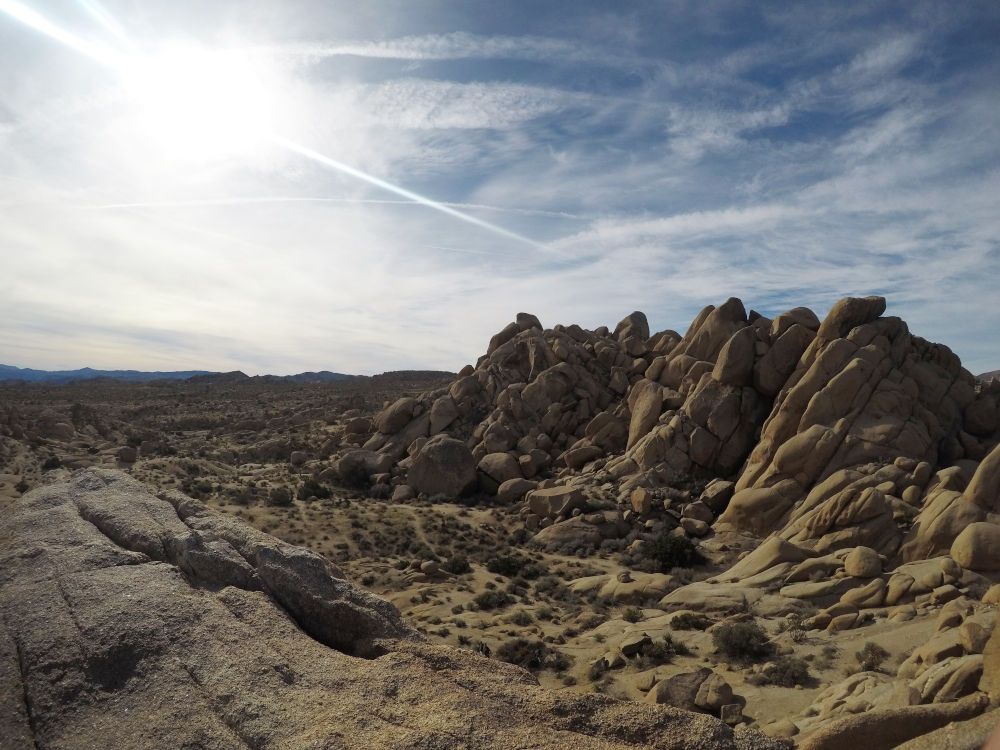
point(978, 547)
point(443, 466)
point(396, 416)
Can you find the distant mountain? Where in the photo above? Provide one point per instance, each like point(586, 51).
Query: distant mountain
point(323, 376)
point(988, 375)
point(59, 377)
point(11, 375)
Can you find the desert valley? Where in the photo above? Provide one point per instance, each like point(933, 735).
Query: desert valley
point(758, 533)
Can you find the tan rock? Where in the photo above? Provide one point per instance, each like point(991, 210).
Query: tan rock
point(645, 404)
point(443, 412)
point(641, 500)
point(849, 313)
point(977, 547)
point(713, 694)
point(555, 501)
point(992, 595)
point(396, 416)
point(736, 359)
point(444, 466)
point(984, 489)
point(883, 730)
point(717, 494)
point(872, 594)
point(760, 509)
point(863, 562)
point(514, 490)
point(990, 682)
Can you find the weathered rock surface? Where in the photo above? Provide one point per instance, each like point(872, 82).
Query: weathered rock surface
point(129, 620)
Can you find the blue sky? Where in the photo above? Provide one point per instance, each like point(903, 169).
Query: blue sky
point(661, 158)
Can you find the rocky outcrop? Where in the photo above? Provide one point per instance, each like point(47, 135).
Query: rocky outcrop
point(130, 620)
point(850, 432)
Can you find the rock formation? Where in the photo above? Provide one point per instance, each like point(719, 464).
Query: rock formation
point(839, 433)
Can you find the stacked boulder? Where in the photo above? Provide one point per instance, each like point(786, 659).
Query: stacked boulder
point(835, 434)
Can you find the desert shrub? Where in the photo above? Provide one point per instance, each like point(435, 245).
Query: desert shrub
point(279, 497)
point(533, 570)
point(522, 618)
point(689, 621)
point(457, 564)
point(592, 621)
point(786, 671)
point(544, 612)
point(22, 486)
point(632, 614)
point(827, 655)
point(671, 551)
point(488, 600)
point(552, 587)
point(742, 641)
point(312, 488)
point(660, 652)
point(354, 474)
point(52, 462)
point(597, 670)
point(871, 656)
point(533, 655)
point(524, 653)
point(506, 565)
point(379, 491)
point(794, 627)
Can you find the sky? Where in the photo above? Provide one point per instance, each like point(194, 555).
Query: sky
point(278, 187)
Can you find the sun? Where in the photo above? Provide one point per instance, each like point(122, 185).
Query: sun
point(194, 103)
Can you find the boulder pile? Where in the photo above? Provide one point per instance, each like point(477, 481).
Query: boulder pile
point(832, 434)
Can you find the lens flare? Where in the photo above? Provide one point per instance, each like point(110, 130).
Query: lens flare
point(206, 101)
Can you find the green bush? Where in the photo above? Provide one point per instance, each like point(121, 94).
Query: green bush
point(689, 621)
point(521, 618)
point(488, 600)
point(742, 641)
point(786, 671)
point(871, 656)
point(506, 565)
point(671, 551)
point(597, 670)
point(632, 614)
point(533, 655)
point(661, 652)
point(279, 497)
point(312, 488)
point(354, 474)
point(457, 564)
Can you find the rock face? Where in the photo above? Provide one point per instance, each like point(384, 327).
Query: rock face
point(836, 434)
point(129, 620)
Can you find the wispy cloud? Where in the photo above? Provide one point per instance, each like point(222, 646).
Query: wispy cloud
point(790, 155)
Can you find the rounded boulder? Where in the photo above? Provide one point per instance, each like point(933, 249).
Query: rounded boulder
point(443, 466)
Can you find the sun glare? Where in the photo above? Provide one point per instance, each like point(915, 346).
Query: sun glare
point(198, 103)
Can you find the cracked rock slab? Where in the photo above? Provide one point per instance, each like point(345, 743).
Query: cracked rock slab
point(129, 620)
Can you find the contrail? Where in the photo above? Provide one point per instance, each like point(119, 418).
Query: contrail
point(40, 23)
point(401, 191)
point(235, 201)
point(120, 63)
point(109, 22)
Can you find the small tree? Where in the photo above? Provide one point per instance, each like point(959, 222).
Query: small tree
point(871, 656)
point(672, 551)
point(742, 641)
